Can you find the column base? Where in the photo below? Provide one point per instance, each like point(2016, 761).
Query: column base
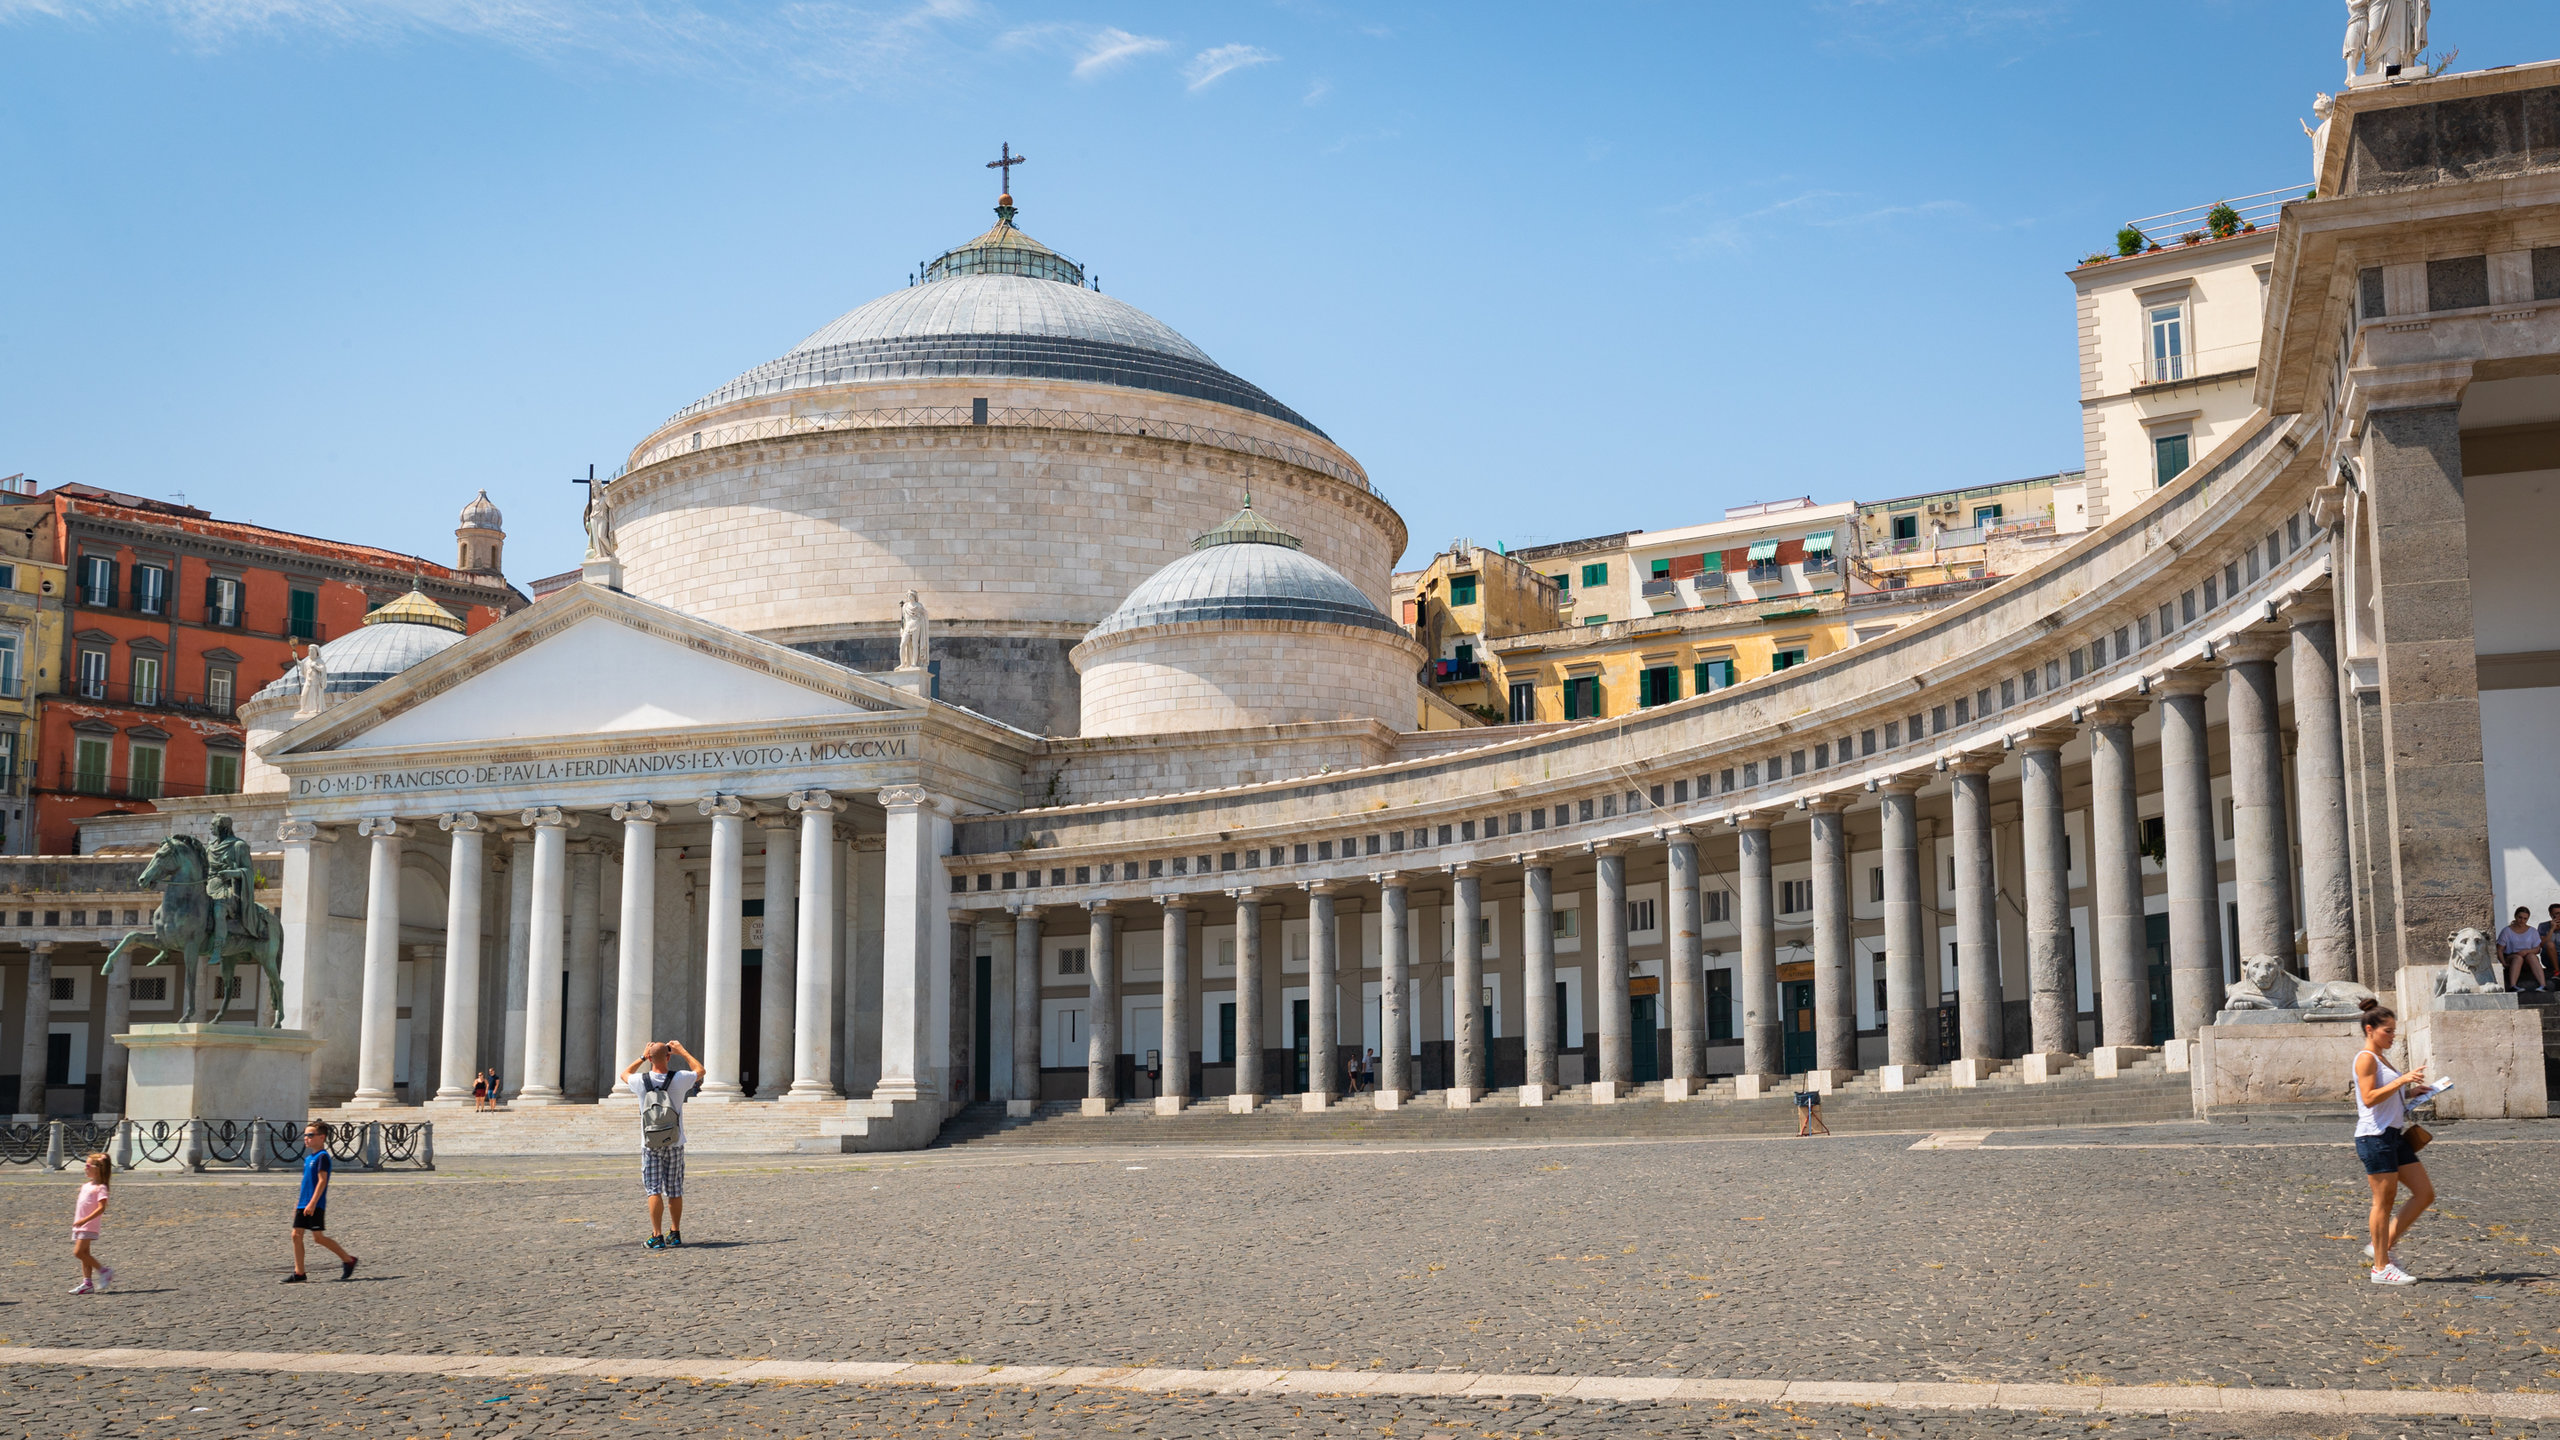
point(1388, 1099)
point(619, 1100)
point(533, 1098)
point(726, 1092)
point(2039, 1068)
point(1243, 1104)
point(1172, 1104)
point(2109, 1061)
point(1604, 1092)
point(1461, 1097)
point(1676, 1089)
point(2178, 1055)
point(1899, 1077)
point(1536, 1095)
point(1752, 1087)
point(1314, 1100)
point(812, 1093)
point(1096, 1105)
point(1972, 1070)
point(373, 1100)
point(1021, 1109)
point(450, 1100)
point(1827, 1082)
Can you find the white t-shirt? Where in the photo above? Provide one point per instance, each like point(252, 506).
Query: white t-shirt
point(680, 1083)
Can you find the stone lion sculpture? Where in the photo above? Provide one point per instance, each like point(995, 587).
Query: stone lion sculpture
point(2266, 985)
point(2470, 968)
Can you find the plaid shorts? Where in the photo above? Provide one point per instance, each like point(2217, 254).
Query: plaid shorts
point(662, 1171)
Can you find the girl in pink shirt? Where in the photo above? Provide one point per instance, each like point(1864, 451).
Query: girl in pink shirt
point(86, 1213)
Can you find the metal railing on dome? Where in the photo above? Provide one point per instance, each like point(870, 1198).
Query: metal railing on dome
point(827, 422)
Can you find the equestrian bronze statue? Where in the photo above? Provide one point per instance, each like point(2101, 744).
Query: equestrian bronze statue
point(208, 910)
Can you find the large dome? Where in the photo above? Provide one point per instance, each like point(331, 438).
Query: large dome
point(391, 640)
point(968, 321)
point(1246, 569)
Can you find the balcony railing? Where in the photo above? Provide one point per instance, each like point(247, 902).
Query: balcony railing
point(1945, 591)
point(314, 631)
point(154, 697)
point(1659, 586)
point(70, 779)
point(1455, 670)
point(2193, 364)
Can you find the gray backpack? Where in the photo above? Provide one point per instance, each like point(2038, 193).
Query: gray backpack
point(658, 1114)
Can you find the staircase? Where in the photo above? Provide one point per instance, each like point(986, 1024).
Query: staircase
point(2142, 1092)
point(747, 1128)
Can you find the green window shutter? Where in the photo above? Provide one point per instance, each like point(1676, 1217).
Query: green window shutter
point(1661, 569)
point(302, 614)
point(1594, 575)
point(1699, 678)
point(1564, 583)
point(1670, 683)
point(1572, 701)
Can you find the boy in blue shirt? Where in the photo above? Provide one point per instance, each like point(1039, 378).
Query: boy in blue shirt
point(311, 1208)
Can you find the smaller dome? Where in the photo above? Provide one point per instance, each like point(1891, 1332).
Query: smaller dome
point(1246, 569)
point(393, 639)
point(481, 515)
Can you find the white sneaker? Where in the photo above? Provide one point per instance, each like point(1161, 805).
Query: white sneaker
point(2393, 1275)
point(106, 1278)
point(84, 1288)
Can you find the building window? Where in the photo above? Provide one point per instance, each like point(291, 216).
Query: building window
point(2168, 342)
point(222, 775)
point(9, 666)
point(1986, 515)
point(1582, 697)
point(98, 581)
point(1524, 703)
point(89, 767)
point(2168, 457)
point(1462, 590)
point(1906, 527)
point(8, 761)
point(302, 614)
point(145, 779)
point(1595, 575)
point(1564, 924)
point(1795, 897)
point(1589, 620)
point(222, 601)
point(151, 589)
point(151, 989)
point(1714, 675)
point(218, 682)
point(1071, 962)
point(1563, 584)
point(1719, 907)
point(8, 577)
point(93, 675)
point(1786, 659)
point(1640, 917)
point(1658, 685)
point(146, 680)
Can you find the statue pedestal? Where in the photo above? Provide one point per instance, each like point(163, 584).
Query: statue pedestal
point(915, 680)
point(2492, 1050)
point(2274, 1062)
point(604, 570)
point(218, 1072)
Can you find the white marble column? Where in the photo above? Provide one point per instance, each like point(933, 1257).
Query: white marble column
point(37, 1030)
point(1026, 1013)
point(1835, 952)
point(1324, 986)
point(724, 963)
point(466, 873)
point(2115, 874)
point(1102, 1021)
point(1249, 1086)
point(1609, 964)
point(378, 1022)
point(426, 1019)
point(914, 940)
point(1466, 1051)
point(1764, 1055)
point(1538, 978)
point(115, 1063)
point(2320, 778)
point(2187, 828)
point(305, 920)
point(511, 1071)
point(2053, 990)
point(1395, 977)
point(578, 1061)
point(2261, 847)
point(635, 982)
point(813, 993)
point(544, 963)
point(1181, 1007)
point(781, 969)
point(1978, 988)
point(1688, 981)
point(1911, 1040)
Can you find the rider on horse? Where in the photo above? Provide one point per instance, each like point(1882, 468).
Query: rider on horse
point(230, 881)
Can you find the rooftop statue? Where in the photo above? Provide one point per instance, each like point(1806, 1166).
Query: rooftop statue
point(912, 644)
point(315, 683)
point(599, 520)
point(2384, 35)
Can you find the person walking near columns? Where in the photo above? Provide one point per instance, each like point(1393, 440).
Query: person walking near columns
point(2053, 992)
point(1395, 979)
point(1764, 1061)
point(1102, 1021)
point(1248, 1091)
point(1910, 1040)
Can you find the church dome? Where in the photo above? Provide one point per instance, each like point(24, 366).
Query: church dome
point(1002, 307)
point(1245, 570)
point(392, 639)
point(482, 515)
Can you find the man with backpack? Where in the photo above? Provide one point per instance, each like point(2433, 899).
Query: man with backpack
point(661, 1089)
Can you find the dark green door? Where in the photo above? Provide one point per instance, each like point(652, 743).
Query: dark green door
point(1227, 1031)
point(1796, 998)
point(1298, 1016)
point(1647, 1042)
point(2155, 938)
point(983, 1042)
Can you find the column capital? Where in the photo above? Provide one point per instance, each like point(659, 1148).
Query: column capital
point(44, 947)
point(1827, 803)
point(1535, 859)
point(768, 818)
point(1321, 887)
point(1101, 907)
point(2050, 737)
point(2312, 606)
point(1389, 879)
point(1675, 835)
point(2252, 645)
point(1607, 847)
point(1463, 869)
point(1249, 894)
point(383, 827)
point(2107, 713)
point(870, 844)
point(301, 832)
point(546, 817)
point(818, 800)
point(2183, 680)
point(465, 822)
point(718, 805)
point(1759, 820)
point(1970, 762)
point(1905, 783)
point(908, 797)
point(637, 812)
point(1022, 910)
point(1172, 903)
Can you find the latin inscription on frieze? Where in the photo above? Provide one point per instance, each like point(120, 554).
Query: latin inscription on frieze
point(720, 760)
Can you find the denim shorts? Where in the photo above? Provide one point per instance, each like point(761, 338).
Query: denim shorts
point(2385, 1153)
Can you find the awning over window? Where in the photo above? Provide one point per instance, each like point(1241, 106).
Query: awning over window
point(1764, 550)
point(1818, 544)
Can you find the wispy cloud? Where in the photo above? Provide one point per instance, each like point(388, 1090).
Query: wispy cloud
point(1114, 47)
point(1810, 209)
point(1316, 92)
point(1210, 66)
point(1098, 49)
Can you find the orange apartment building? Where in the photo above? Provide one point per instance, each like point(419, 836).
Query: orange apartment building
point(174, 617)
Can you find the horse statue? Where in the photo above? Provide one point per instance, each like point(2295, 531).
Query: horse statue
point(188, 924)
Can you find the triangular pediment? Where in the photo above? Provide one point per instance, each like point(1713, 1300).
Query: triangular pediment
point(590, 661)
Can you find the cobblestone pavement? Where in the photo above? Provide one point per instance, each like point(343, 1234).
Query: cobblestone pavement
point(2108, 1259)
point(51, 1401)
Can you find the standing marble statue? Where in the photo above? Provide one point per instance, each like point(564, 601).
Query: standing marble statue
point(2383, 35)
point(2326, 107)
point(912, 644)
point(314, 673)
point(599, 520)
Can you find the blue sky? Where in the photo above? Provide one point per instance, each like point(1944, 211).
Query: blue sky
point(1546, 270)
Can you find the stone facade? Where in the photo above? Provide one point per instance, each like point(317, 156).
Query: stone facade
point(1174, 678)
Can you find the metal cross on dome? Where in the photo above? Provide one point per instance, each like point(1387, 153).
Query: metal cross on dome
point(1005, 162)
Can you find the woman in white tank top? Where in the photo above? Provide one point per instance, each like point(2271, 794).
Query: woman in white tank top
point(2382, 1141)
